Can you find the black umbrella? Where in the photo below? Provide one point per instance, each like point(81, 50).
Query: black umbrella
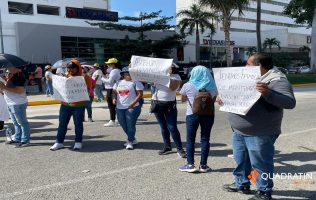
point(8, 60)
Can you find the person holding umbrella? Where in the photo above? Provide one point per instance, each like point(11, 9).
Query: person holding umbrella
point(15, 96)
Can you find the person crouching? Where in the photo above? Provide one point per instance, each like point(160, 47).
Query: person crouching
point(75, 109)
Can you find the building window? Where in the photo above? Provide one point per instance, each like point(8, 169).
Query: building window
point(20, 8)
point(47, 10)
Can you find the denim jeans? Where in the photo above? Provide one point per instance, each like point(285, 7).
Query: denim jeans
point(192, 124)
point(89, 106)
point(98, 92)
point(49, 87)
point(168, 124)
point(127, 119)
point(254, 152)
point(19, 119)
point(65, 113)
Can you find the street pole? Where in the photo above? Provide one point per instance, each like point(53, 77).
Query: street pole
point(1, 34)
point(211, 46)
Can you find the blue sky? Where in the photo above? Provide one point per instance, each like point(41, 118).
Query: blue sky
point(133, 7)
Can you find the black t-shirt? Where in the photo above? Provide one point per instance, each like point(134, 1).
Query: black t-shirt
point(17, 79)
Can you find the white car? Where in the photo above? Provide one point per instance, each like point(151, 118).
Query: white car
point(304, 70)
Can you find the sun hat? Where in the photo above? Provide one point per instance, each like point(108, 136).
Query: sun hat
point(96, 65)
point(111, 61)
point(124, 70)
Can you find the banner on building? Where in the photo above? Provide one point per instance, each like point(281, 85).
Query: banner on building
point(153, 70)
point(73, 89)
point(237, 88)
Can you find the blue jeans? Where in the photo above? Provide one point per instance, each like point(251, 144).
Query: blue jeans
point(127, 119)
point(19, 119)
point(168, 123)
point(89, 106)
point(254, 152)
point(49, 87)
point(192, 124)
point(65, 113)
point(98, 92)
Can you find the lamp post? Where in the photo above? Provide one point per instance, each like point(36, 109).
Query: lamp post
point(211, 46)
point(1, 34)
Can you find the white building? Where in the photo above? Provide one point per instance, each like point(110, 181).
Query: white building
point(44, 31)
point(274, 24)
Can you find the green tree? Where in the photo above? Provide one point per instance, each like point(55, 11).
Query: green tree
point(127, 47)
point(198, 19)
point(304, 12)
point(227, 8)
point(271, 42)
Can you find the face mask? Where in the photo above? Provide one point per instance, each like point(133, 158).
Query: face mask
point(109, 69)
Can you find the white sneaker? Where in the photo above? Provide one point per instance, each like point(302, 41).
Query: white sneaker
point(78, 146)
point(134, 142)
point(129, 146)
point(110, 124)
point(56, 146)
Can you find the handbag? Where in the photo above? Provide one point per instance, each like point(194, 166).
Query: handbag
point(161, 106)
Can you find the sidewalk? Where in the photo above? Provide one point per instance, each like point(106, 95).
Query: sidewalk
point(41, 99)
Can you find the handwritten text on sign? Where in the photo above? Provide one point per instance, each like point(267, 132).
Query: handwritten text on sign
point(73, 89)
point(153, 70)
point(237, 88)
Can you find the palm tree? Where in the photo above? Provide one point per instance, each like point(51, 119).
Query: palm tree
point(270, 42)
point(196, 18)
point(227, 8)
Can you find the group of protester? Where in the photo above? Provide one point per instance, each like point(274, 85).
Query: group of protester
point(254, 134)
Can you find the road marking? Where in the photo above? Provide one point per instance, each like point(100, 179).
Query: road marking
point(98, 175)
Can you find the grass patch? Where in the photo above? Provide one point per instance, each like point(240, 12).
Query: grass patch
point(301, 78)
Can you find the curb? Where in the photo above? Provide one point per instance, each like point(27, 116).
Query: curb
point(304, 85)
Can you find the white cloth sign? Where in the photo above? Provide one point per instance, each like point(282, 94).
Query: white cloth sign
point(69, 90)
point(4, 113)
point(153, 70)
point(237, 88)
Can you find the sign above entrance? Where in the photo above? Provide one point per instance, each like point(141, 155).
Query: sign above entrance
point(81, 13)
point(217, 42)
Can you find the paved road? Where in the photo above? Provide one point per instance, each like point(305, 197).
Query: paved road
point(105, 170)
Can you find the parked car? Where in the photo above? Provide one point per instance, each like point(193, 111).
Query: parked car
point(293, 70)
point(304, 70)
point(283, 70)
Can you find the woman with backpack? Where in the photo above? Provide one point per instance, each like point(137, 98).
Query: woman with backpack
point(200, 93)
point(126, 97)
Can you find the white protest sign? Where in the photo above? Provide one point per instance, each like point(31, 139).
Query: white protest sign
point(69, 90)
point(4, 113)
point(153, 70)
point(237, 88)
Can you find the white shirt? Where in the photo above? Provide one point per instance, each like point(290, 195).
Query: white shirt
point(126, 93)
point(163, 93)
point(99, 73)
point(115, 76)
point(48, 75)
point(190, 91)
point(60, 71)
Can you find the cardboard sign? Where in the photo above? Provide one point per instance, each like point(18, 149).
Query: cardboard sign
point(237, 88)
point(152, 70)
point(69, 90)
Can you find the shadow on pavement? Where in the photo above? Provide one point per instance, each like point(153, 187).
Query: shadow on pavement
point(139, 122)
point(45, 117)
point(300, 194)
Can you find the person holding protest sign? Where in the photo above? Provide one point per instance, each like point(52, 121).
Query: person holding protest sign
point(49, 81)
point(74, 109)
point(15, 97)
point(114, 77)
point(126, 97)
point(165, 110)
point(201, 80)
point(97, 77)
point(255, 133)
point(90, 86)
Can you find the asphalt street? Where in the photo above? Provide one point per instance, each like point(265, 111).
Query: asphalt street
point(103, 169)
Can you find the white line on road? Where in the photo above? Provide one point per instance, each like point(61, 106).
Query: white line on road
point(98, 175)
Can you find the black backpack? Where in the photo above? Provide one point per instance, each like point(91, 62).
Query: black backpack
point(203, 103)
